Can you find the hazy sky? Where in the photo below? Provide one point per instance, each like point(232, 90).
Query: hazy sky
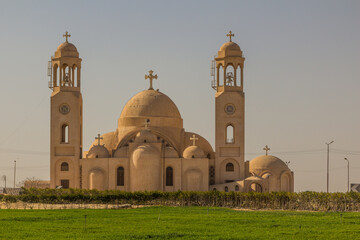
point(301, 75)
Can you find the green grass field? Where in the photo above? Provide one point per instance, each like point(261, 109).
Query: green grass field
point(177, 223)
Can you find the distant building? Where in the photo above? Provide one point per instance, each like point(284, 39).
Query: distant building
point(150, 149)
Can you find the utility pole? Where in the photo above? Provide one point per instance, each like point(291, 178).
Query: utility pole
point(4, 179)
point(327, 171)
point(348, 177)
point(14, 172)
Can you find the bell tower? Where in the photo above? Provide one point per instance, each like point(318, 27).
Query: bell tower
point(65, 117)
point(228, 68)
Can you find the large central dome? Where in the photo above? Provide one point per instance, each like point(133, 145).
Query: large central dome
point(150, 103)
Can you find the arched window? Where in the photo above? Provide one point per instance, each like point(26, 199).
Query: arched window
point(66, 76)
point(230, 134)
point(220, 76)
point(229, 167)
point(238, 76)
point(237, 188)
point(65, 133)
point(226, 189)
point(55, 75)
point(169, 176)
point(230, 76)
point(64, 166)
point(120, 176)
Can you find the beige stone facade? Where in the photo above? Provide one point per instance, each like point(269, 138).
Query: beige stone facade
point(150, 149)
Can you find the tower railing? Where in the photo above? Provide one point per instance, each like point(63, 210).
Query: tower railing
point(212, 74)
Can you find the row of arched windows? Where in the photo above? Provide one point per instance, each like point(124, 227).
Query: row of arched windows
point(226, 189)
point(66, 76)
point(230, 77)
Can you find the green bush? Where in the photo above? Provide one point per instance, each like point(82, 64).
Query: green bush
point(314, 201)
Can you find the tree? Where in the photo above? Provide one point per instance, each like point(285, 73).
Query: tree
point(33, 182)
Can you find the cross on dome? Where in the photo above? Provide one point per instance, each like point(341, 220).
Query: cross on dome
point(267, 149)
point(151, 77)
point(66, 35)
point(99, 139)
point(194, 139)
point(230, 34)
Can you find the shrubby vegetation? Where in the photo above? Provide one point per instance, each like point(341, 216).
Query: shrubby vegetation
point(313, 201)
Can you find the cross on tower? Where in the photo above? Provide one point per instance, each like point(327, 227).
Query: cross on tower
point(266, 148)
point(66, 35)
point(194, 139)
point(151, 77)
point(230, 34)
point(99, 139)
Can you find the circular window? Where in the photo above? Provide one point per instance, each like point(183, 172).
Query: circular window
point(64, 108)
point(229, 109)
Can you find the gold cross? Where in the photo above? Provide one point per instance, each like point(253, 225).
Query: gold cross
point(194, 139)
point(230, 34)
point(99, 139)
point(151, 77)
point(66, 35)
point(266, 148)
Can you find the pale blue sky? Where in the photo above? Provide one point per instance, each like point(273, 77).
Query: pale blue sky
point(301, 74)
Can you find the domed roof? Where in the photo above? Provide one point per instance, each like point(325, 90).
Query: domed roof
point(193, 152)
point(150, 103)
point(230, 46)
point(66, 46)
point(229, 49)
point(66, 49)
point(145, 136)
point(98, 151)
point(267, 162)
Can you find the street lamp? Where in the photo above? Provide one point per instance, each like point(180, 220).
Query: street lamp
point(14, 172)
point(327, 172)
point(348, 178)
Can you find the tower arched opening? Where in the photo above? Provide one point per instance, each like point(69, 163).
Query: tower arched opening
point(230, 134)
point(230, 76)
point(65, 133)
point(220, 76)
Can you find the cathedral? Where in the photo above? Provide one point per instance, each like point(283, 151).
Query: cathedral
point(150, 150)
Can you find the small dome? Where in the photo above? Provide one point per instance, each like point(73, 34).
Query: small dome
point(98, 151)
point(170, 152)
point(150, 103)
point(66, 49)
point(230, 49)
point(121, 152)
point(267, 162)
point(230, 46)
point(193, 152)
point(145, 136)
